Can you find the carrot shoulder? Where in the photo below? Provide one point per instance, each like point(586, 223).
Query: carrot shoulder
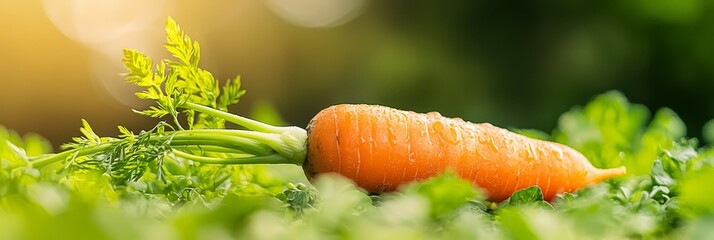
point(381, 148)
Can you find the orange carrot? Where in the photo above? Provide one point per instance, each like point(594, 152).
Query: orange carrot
point(381, 148)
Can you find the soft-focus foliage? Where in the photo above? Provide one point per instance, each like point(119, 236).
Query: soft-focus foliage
point(670, 199)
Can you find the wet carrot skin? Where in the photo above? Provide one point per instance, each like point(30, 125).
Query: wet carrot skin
point(381, 148)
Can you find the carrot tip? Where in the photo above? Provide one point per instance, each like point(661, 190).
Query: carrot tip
point(602, 174)
point(616, 172)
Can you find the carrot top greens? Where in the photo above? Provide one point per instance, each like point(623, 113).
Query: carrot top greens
point(180, 87)
point(161, 183)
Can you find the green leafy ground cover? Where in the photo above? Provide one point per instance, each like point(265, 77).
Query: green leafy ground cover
point(137, 187)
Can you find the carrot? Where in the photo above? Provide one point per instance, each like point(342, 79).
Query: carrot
point(381, 148)
point(377, 147)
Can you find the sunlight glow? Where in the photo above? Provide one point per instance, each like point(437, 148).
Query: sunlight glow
point(317, 13)
point(106, 27)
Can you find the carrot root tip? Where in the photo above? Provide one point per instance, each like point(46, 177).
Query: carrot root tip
point(602, 174)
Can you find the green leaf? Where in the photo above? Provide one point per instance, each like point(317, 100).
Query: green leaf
point(150, 93)
point(604, 129)
point(445, 193)
point(516, 225)
point(695, 191)
point(660, 175)
point(140, 68)
point(665, 128)
point(20, 152)
point(677, 160)
point(190, 118)
point(526, 195)
point(669, 123)
point(231, 93)
point(124, 132)
point(708, 132)
point(153, 112)
point(89, 133)
point(179, 44)
point(299, 197)
point(530, 196)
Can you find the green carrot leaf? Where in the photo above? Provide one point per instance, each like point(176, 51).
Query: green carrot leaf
point(531, 196)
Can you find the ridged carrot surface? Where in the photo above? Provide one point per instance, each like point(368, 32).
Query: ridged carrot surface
point(381, 148)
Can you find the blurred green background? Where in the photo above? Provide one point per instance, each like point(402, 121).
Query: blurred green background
point(512, 63)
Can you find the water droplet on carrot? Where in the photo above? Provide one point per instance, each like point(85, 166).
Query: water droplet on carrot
point(453, 136)
point(493, 145)
point(412, 157)
point(446, 132)
point(478, 153)
point(438, 127)
point(392, 137)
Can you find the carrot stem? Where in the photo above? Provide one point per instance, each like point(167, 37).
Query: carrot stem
point(242, 121)
point(209, 148)
point(290, 142)
point(44, 160)
point(268, 159)
point(262, 143)
point(246, 144)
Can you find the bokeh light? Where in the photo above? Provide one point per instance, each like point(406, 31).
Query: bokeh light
point(96, 22)
point(107, 27)
point(317, 13)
